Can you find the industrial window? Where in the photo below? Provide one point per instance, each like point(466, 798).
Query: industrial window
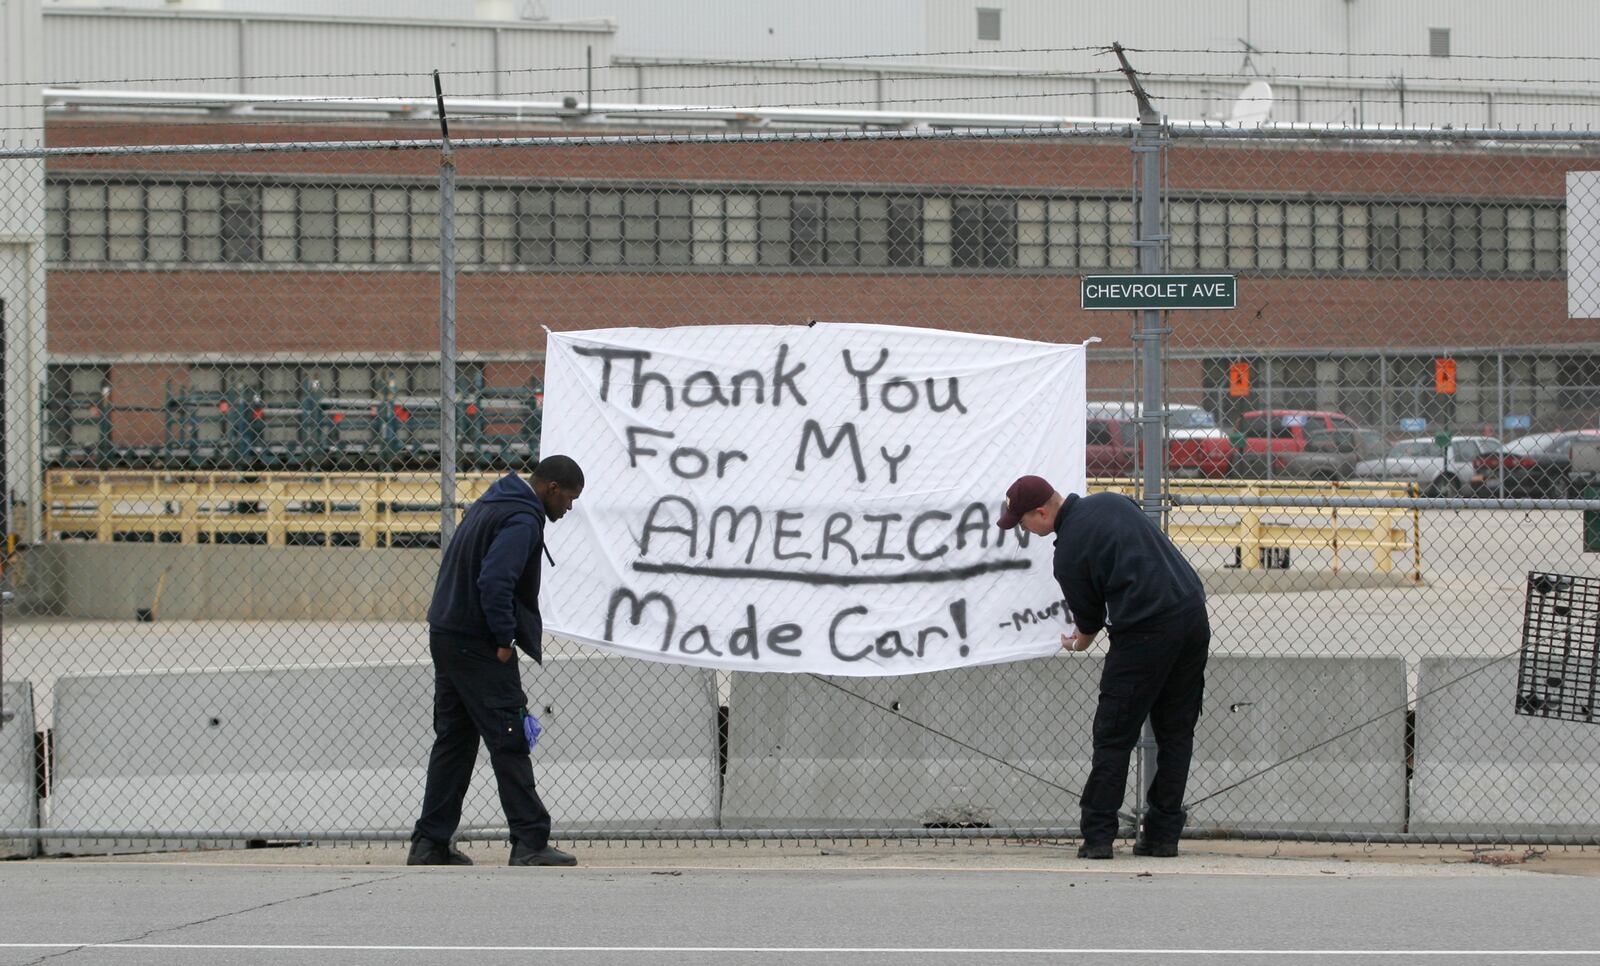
point(1380, 390)
point(604, 228)
point(1067, 233)
point(239, 224)
point(135, 222)
point(360, 225)
point(382, 225)
point(656, 228)
point(1438, 41)
point(314, 226)
point(288, 383)
point(1293, 381)
point(903, 231)
point(1361, 380)
point(988, 23)
point(976, 232)
point(807, 233)
point(844, 230)
point(724, 229)
point(75, 406)
point(1580, 385)
point(1285, 382)
point(1467, 239)
point(500, 226)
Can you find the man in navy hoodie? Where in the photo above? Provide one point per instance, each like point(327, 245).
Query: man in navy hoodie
point(1118, 571)
point(485, 607)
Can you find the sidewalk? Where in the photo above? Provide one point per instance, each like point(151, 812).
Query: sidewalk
point(1200, 857)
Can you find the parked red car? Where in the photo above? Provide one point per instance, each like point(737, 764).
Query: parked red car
point(1195, 445)
point(1283, 431)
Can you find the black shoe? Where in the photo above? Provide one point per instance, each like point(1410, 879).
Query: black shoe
point(549, 855)
point(1157, 850)
point(1094, 850)
point(428, 852)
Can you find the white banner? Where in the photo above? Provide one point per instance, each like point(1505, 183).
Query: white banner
point(807, 498)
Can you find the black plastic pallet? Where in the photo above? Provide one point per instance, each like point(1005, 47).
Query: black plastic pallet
point(1558, 675)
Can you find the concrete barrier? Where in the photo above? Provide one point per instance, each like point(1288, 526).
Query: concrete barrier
point(626, 744)
point(19, 802)
point(1481, 767)
point(805, 754)
point(1261, 712)
point(114, 581)
point(808, 752)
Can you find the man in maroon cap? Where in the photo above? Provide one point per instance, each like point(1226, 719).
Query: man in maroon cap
point(1117, 570)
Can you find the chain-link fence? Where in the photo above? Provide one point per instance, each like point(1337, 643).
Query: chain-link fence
point(226, 414)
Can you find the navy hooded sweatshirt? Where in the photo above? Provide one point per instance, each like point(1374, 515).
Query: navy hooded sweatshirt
point(488, 586)
point(1117, 569)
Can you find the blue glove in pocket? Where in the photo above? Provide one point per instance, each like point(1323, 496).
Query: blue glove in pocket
point(530, 728)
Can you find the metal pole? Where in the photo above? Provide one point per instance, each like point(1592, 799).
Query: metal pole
point(6, 714)
point(1149, 147)
point(1500, 415)
point(1383, 400)
point(1272, 422)
point(447, 330)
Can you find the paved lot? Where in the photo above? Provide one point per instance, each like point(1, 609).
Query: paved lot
point(807, 903)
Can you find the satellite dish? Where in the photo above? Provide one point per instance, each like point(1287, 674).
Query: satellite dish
point(1254, 104)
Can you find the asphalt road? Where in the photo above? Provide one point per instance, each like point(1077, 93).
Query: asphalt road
point(1039, 908)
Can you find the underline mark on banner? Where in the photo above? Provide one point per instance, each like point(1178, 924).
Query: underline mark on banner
point(838, 580)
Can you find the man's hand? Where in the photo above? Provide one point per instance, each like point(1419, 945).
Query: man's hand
point(504, 654)
point(1076, 641)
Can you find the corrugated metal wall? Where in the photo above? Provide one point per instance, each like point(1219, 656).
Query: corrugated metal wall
point(727, 29)
point(114, 50)
point(658, 54)
point(282, 55)
point(20, 61)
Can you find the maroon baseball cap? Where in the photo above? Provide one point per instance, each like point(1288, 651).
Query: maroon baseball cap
point(1027, 494)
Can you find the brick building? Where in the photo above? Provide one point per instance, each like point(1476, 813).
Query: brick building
point(266, 273)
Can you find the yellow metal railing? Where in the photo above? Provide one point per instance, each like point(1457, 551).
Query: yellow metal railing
point(1379, 532)
point(275, 509)
point(389, 509)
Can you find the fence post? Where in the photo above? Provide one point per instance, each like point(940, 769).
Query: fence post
point(447, 329)
point(1150, 149)
point(1500, 416)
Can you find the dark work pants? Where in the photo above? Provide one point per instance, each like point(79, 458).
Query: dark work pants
point(1155, 672)
point(475, 696)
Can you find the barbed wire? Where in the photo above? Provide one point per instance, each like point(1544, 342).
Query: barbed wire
point(740, 62)
point(746, 84)
point(432, 121)
point(873, 104)
point(1412, 55)
point(287, 103)
point(936, 99)
point(842, 61)
point(293, 99)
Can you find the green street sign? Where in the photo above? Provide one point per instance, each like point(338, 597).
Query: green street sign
point(1160, 292)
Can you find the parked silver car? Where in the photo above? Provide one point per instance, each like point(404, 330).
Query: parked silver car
point(1451, 469)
